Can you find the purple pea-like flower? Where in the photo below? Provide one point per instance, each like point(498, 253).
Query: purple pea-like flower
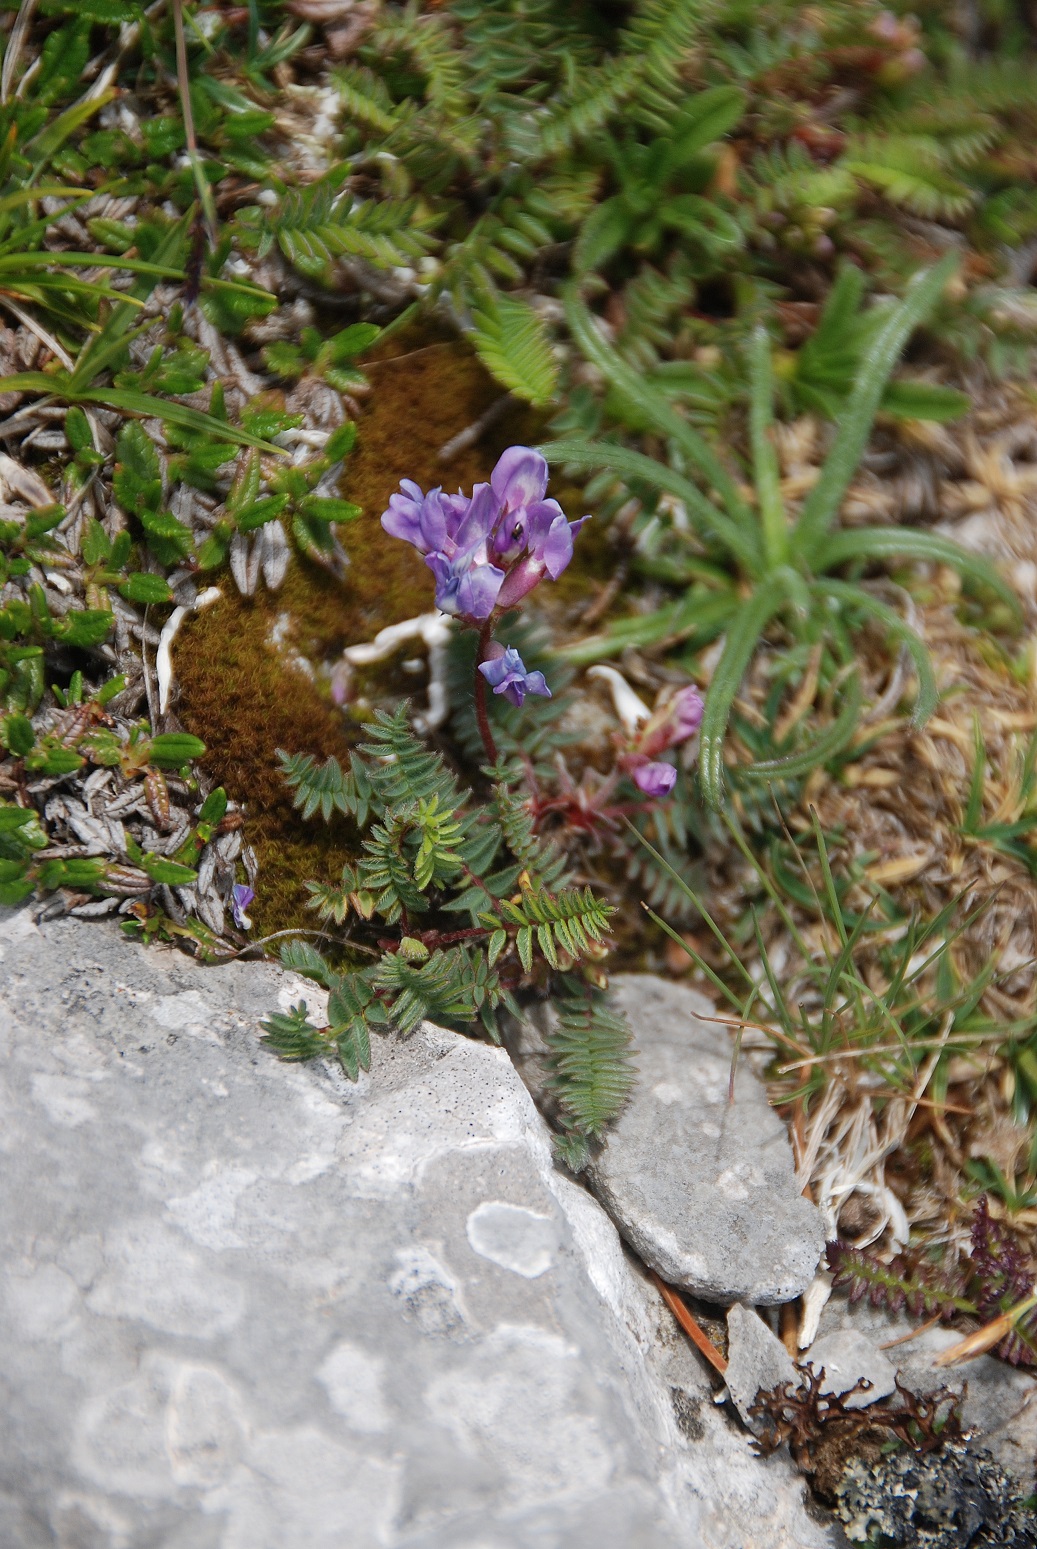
point(655, 779)
point(467, 585)
point(672, 723)
point(488, 551)
point(549, 548)
point(240, 898)
point(506, 674)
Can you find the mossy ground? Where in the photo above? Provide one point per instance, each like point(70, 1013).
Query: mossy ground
point(240, 693)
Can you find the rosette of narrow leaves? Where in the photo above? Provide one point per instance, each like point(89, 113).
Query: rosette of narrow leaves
point(661, 188)
point(820, 375)
point(788, 565)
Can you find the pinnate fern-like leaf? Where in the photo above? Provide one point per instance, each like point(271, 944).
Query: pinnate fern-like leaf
point(326, 786)
point(512, 343)
point(591, 1070)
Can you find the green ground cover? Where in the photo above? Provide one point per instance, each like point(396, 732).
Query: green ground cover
point(757, 280)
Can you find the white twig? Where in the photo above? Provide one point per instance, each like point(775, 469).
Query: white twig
point(164, 654)
point(630, 707)
point(431, 628)
point(15, 44)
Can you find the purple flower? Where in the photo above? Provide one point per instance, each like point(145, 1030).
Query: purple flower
point(549, 548)
point(488, 551)
point(520, 478)
point(506, 674)
point(240, 898)
point(467, 585)
point(671, 723)
point(655, 779)
point(426, 521)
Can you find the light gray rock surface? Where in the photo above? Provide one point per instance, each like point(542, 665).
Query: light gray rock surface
point(757, 1361)
point(703, 1189)
point(250, 1306)
point(845, 1356)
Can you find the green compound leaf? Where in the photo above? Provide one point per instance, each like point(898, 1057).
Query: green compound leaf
point(512, 343)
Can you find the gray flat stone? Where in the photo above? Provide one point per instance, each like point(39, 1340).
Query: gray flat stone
point(757, 1361)
point(703, 1189)
point(246, 1305)
point(846, 1355)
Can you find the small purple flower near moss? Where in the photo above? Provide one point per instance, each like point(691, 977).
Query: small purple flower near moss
point(240, 898)
point(671, 723)
point(489, 550)
point(506, 674)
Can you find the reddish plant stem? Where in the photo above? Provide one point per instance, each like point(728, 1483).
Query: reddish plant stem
point(481, 716)
point(688, 1323)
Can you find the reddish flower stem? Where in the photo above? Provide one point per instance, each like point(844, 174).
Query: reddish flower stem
point(481, 716)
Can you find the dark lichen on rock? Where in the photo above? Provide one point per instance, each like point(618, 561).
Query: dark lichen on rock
point(956, 1498)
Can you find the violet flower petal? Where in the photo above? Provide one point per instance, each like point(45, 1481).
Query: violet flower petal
point(403, 518)
point(687, 708)
point(474, 529)
point(520, 477)
point(672, 723)
point(478, 591)
point(506, 674)
point(464, 589)
point(655, 779)
point(240, 898)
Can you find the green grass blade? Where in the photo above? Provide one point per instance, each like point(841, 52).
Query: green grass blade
point(835, 907)
point(104, 347)
point(697, 903)
point(781, 1010)
point(700, 962)
point(856, 596)
point(766, 473)
point(974, 806)
point(701, 619)
point(772, 893)
point(129, 401)
point(821, 506)
point(746, 628)
point(842, 548)
point(711, 523)
point(820, 751)
point(661, 415)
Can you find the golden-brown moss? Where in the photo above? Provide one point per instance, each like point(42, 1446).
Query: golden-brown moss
point(237, 691)
point(237, 695)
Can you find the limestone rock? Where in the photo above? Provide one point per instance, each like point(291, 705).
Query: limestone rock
point(703, 1189)
point(247, 1305)
point(846, 1355)
point(757, 1361)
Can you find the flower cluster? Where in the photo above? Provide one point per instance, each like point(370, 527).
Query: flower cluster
point(670, 724)
point(487, 550)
